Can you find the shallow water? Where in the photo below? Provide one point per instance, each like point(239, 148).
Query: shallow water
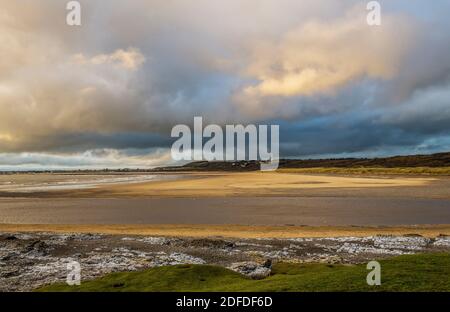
point(28, 183)
point(245, 211)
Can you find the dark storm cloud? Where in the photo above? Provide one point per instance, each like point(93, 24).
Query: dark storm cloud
point(419, 125)
point(136, 68)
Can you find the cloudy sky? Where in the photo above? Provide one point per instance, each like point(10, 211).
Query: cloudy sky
point(107, 93)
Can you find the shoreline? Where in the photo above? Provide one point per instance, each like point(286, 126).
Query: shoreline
point(233, 231)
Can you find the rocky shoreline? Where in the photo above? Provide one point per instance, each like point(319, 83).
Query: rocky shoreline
point(31, 260)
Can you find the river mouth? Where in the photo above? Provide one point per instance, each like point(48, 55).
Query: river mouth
point(284, 211)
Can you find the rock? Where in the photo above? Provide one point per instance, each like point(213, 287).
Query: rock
point(334, 260)
point(260, 273)
point(442, 241)
point(251, 269)
point(38, 246)
point(155, 240)
point(412, 235)
point(9, 256)
point(175, 258)
point(10, 273)
point(210, 243)
point(268, 264)
point(400, 244)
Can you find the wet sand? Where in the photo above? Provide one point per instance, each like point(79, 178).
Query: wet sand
point(231, 231)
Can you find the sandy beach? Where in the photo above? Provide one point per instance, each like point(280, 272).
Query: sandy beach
point(250, 184)
point(196, 184)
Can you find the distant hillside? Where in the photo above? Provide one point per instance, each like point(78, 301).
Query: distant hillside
point(435, 160)
point(413, 161)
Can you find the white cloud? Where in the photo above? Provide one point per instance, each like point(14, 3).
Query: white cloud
point(130, 59)
point(91, 159)
point(320, 57)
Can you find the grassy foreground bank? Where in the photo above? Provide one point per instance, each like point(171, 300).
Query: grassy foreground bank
point(423, 272)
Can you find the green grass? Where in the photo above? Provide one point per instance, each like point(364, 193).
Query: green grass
point(372, 170)
point(424, 272)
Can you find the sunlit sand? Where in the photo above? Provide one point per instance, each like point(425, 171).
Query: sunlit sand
point(256, 183)
point(240, 231)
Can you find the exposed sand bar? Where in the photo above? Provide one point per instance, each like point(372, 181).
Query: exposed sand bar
point(206, 185)
point(254, 184)
point(235, 231)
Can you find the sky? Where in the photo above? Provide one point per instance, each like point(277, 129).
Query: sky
point(106, 94)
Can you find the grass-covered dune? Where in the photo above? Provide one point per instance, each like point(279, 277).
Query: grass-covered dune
point(410, 164)
point(372, 170)
point(423, 272)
